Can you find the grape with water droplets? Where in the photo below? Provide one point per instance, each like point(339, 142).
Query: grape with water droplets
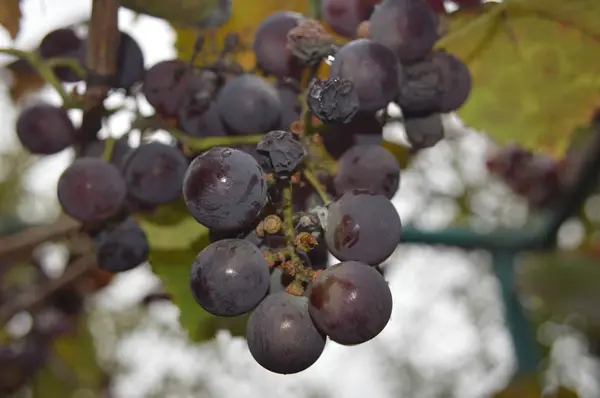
point(225, 189)
point(44, 129)
point(229, 277)
point(369, 167)
point(372, 68)
point(122, 247)
point(362, 226)
point(91, 190)
point(154, 173)
point(281, 335)
point(350, 302)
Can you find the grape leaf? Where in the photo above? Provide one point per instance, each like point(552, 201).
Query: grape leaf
point(79, 370)
point(10, 16)
point(535, 67)
point(173, 268)
point(186, 12)
point(564, 283)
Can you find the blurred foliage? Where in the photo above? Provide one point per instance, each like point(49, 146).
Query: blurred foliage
point(23, 80)
point(549, 79)
point(530, 387)
point(187, 12)
point(10, 16)
point(73, 368)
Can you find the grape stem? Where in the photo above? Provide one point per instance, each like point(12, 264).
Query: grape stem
point(199, 144)
point(17, 247)
point(316, 184)
point(33, 297)
point(287, 211)
point(45, 70)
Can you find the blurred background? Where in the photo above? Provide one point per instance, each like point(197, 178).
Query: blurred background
point(447, 336)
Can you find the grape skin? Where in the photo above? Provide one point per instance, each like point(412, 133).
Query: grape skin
point(281, 335)
point(154, 173)
point(350, 302)
point(45, 129)
point(373, 69)
point(424, 132)
point(229, 277)
point(248, 104)
point(164, 85)
point(201, 124)
point(363, 129)
point(225, 189)
point(62, 43)
point(270, 45)
point(291, 105)
point(122, 247)
point(369, 167)
point(408, 27)
point(91, 190)
point(362, 226)
point(344, 16)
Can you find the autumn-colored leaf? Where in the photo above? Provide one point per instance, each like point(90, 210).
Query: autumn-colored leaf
point(535, 67)
point(24, 80)
point(10, 16)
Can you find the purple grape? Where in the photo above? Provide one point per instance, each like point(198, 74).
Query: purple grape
point(225, 189)
point(154, 173)
point(369, 167)
point(344, 16)
point(424, 132)
point(45, 129)
point(122, 247)
point(91, 190)
point(407, 27)
point(164, 85)
point(229, 277)
point(281, 335)
point(372, 68)
point(280, 152)
point(350, 302)
point(62, 43)
point(362, 226)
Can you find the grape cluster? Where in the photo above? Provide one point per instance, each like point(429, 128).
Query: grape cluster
point(536, 177)
point(269, 192)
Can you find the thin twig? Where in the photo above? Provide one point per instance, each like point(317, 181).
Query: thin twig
point(30, 298)
point(19, 246)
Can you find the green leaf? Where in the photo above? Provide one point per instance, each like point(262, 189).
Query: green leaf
point(535, 67)
point(173, 268)
point(564, 283)
point(73, 369)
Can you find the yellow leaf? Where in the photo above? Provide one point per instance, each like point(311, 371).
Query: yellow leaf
point(10, 16)
point(245, 19)
point(186, 12)
point(535, 67)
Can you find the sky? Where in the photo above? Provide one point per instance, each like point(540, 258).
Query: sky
point(446, 327)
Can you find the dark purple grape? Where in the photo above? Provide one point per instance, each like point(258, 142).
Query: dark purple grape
point(165, 84)
point(229, 277)
point(281, 335)
point(438, 5)
point(122, 247)
point(271, 45)
point(280, 152)
point(201, 90)
point(369, 167)
point(440, 83)
point(248, 104)
point(362, 226)
point(291, 105)
point(344, 16)
point(91, 190)
point(407, 27)
point(19, 362)
point(120, 150)
point(424, 132)
point(225, 189)
point(62, 43)
point(363, 129)
point(154, 173)
point(350, 302)
point(372, 68)
point(201, 124)
point(45, 129)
